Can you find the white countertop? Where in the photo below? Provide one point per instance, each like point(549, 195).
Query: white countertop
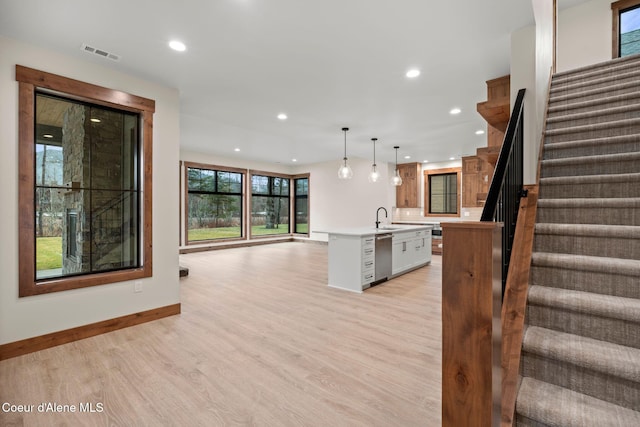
point(367, 231)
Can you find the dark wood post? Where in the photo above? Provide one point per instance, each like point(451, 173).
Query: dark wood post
point(471, 302)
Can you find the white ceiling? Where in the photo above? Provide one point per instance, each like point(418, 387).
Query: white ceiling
point(325, 63)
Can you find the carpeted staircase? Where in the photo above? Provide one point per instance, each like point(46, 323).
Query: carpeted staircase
point(581, 345)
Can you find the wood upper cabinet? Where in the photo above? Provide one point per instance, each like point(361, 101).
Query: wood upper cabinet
point(476, 179)
point(408, 194)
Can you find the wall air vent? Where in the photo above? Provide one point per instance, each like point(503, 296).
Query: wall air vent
point(100, 52)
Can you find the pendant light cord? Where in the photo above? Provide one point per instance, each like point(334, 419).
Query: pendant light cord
point(345, 145)
point(396, 148)
point(374, 150)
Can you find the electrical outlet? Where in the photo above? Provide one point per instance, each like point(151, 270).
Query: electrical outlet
point(467, 213)
point(137, 286)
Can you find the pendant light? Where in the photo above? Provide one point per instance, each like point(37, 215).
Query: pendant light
point(374, 175)
point(397, 179)
point(345, 171)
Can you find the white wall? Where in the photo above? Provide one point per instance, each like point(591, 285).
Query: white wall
point(584, 35)
point(335, 203)
point(27, 317)
point(210, 159)
point(531, 61)
point(523, 46)
point(543, 13)
point(584, 38)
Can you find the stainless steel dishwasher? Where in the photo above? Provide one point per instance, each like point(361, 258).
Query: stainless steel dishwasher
point(383, 256)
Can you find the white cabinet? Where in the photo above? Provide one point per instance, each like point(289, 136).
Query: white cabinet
point(401, 252)
point(410, 249)
point(352, 255)
point(422, 247)
point(368, 260)
point(351, 261)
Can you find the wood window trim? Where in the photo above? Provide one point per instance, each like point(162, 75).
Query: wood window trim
point(616, 8)
point(29, 80)
point(185, 190)
point(458, 172)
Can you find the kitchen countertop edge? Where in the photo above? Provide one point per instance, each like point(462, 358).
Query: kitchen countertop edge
point(370, 231)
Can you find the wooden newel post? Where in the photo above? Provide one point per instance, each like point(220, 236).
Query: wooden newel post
point(471, 341)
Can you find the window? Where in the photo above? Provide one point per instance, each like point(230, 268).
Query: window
point(626, 27)
point(214, 203)
point(442, 192)
point(301, 205)
point(85, 203)
point(87, 166)
point(269, 204)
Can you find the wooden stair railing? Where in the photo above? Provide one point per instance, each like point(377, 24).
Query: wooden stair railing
point(515, 301)
point(475, 264)
point(482, 329)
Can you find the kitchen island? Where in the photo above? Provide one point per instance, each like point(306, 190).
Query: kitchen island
point(362, 257)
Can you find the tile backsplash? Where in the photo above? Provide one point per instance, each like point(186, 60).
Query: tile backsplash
point(416, 214)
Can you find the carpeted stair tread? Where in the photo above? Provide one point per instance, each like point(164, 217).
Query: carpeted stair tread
point(598, 80)
point(590, 210)
point(578, 203)
point(586, 302)
point(559, 110)
point(600, 356)
point(616, 124)
point(587, 143)
point(555, 406)
point(594, 264)
point(591, 179)
point(600, 115)
point(595, 164)
point(600, 316)
point(615, 241)
point(590, 186)
point(615, 65)
point(596, 93)
point(602, 158)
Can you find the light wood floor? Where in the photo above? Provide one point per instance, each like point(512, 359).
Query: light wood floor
point(261, 341)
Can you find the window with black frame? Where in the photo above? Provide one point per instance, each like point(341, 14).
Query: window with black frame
point(87, 188)
point(443, 193)
point(625, 27)
point(269, 205)
point(630, 31)
point(214, 204)
point(301, 205)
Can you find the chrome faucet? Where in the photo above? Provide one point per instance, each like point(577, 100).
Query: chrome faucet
point(377, 212)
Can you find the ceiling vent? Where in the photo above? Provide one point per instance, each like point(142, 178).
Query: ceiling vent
point(100, 52)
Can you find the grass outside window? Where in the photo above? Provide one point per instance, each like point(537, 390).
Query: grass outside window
point(196, 234)
point(48, 253)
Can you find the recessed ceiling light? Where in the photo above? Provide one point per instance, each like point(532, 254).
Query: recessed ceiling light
point(47, 135)
point(94, 120)
point(294, 160)
point(425, 161)
point(236, 149)
point(282, 116)
point(407, 157)
point(176, 45)
point(479, 132)
point(413, 73)
point(455, 111)
point(452, 158)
